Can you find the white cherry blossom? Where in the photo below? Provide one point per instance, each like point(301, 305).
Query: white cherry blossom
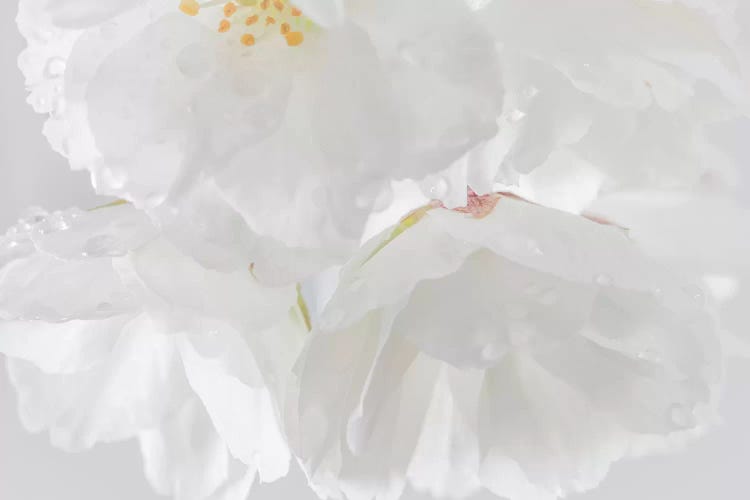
point(111, 333)
point(626, 93)
point(281, 122)
point(506, 346)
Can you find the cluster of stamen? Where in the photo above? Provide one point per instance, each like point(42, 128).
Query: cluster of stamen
point(256, 18)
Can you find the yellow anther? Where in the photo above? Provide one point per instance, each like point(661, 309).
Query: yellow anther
point(294, 38)
point(190, 7)
point(248, 40)
point(230, 9)
point(255, 12)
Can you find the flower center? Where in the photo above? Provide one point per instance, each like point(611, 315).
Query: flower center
point(254, 19)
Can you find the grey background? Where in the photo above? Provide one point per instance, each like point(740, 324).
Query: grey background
point(30, 469)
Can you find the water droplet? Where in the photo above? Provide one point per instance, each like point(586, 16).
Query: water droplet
point(534, 248)
point(55, 67)
point(604, 280)
point(102, 245)
point(58, 222)
point(516, 115)
point(531, 92)
point(435, 188)
point(681, 416)
point(650, 356)
point(492, 352)
point(696, 293)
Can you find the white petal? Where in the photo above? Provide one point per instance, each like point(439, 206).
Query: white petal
point(240, 405)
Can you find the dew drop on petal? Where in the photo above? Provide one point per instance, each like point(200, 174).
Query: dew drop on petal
point(696, 293)
point(534, 248)
point(650, 356)
point(55, 67)
point(604, 280)
point(435, 188)
point(681, 416)
point(531, 92)
point(102, 245)
point(516, 116)
point(492, 352)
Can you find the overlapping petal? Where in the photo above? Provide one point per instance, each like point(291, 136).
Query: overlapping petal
point(297, 143)
point(515, 348)
point(112, 334)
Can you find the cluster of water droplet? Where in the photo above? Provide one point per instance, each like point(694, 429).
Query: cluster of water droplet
point(68, 236)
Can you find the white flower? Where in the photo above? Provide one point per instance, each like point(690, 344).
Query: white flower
point(112, 334)
point(210, 110)
point(506, 346)
point(626, 93)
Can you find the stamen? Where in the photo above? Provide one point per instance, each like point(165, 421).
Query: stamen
point(230, 9)
point(190, 7)
point(247, 40)
point(290, 19)
point(294, 38)
point(224, 26)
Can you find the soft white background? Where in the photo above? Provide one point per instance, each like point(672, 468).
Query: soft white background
point(716, 468)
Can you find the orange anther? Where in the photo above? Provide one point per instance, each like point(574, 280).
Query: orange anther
point(224, 26)
point(270, 20)
point(230, 9)
point(294, 38)
point(248, 40)
point(251, 20)
point(265, 4)
point(279, 5)
point(285, 28)
point(296, 12)
point(190, 7)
